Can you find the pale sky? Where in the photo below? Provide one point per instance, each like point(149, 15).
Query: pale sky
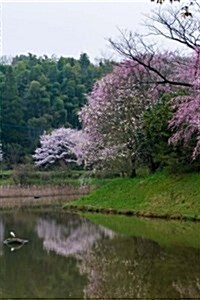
point(68, 28)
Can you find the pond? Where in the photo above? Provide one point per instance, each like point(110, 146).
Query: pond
point(72, 256)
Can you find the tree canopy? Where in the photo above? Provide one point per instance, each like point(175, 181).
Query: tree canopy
point(41, 94)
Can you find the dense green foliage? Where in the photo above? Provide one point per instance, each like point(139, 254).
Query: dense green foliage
point(156, 151)
point(41, 93)
point(153, 140)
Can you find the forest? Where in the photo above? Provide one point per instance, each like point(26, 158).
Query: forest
point(40, 94)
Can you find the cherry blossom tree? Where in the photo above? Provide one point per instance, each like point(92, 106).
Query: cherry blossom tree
point(185, 122)
point(186, 119)
point(112, 116)
point(172, 74)
point(63, 145)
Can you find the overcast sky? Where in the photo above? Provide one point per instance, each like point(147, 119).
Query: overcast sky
point(68, 28)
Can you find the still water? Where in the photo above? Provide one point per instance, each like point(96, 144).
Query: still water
point(72, 257)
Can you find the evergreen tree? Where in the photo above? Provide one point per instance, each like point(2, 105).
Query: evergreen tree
point(42, 93)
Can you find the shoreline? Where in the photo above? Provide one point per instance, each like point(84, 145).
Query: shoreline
point(134, 213)
point(70, 208)
point(158, 196)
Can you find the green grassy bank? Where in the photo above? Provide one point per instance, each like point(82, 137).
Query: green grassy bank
point(159, 193)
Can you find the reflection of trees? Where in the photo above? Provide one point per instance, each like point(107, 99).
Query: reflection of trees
point(189, 289)
point(137, 267)
point(118, 266)
point(114, 266)
point(75, 238)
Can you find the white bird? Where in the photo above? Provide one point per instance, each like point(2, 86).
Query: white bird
point(12, 233)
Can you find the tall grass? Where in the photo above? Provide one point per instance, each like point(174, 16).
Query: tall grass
point(11, 196)
point(39, 191)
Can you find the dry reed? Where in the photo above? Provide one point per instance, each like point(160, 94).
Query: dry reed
point(12, 196)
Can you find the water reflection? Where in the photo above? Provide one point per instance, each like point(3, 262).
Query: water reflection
point(190, 289)
point(71, 257)
point(140, 268)
point(14, 247)
point(76, 237)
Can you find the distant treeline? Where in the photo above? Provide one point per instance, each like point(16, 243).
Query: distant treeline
point(39, 94)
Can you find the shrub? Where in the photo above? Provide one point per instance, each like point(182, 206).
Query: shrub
point(22, 173)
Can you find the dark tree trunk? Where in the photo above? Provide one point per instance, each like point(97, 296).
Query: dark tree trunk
point(153, 166)
point(133, 173)
point(133, 169)
point(62, 163)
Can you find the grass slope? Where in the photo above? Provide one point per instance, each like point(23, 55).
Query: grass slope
point(159, 193)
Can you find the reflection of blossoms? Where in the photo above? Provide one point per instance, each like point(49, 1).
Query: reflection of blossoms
point(70, 240)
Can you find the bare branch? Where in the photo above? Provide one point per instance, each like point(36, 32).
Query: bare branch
point(170, 24)
point(135, 49)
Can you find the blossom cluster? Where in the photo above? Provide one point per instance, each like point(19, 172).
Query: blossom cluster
point(112, 115)
point(63, 144)
point(186, 120)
